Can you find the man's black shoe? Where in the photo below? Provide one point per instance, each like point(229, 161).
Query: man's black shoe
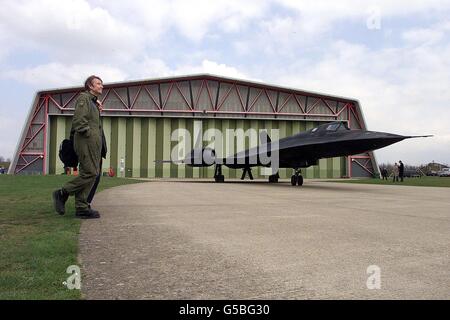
point(87, 214)
point(59, 201)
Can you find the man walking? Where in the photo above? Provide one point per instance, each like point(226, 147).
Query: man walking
point(103, 155)
point(401, 170)
point(88, 146)
point(395, 172)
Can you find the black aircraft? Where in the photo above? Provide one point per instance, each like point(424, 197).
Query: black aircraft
point(301, 150)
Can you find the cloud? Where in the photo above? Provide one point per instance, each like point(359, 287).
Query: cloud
point(11, 126)
point(149, 67)
point(81, 31)
point(153, 68)
point(402, 90)
point(427, 36)
point(4, 49)
point(330, 11)
point(53, 75)
point(212, 68)
point(68, 30)
point(60, 75)
point(192, 20)
point(306, 26)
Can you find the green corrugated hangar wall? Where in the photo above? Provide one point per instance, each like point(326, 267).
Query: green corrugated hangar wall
point(139, 141)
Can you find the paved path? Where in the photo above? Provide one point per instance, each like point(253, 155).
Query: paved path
point(253, 240)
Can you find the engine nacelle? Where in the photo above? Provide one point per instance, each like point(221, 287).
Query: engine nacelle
point(204, 157)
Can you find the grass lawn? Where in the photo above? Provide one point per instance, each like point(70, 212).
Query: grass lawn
point(419, 182)
point(36, 244)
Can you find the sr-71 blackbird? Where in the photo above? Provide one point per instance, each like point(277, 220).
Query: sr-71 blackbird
point(301, 150)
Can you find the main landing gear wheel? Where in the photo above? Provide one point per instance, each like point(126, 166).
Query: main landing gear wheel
point(274, 178)
point(218, 176)
point(297, 178)
point(294, 180)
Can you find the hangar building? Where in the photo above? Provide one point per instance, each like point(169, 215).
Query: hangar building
point(140, 116)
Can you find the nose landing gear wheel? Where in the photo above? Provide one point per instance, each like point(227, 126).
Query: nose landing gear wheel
point(297, 178)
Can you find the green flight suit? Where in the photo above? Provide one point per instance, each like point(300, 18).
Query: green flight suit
point(87, 145)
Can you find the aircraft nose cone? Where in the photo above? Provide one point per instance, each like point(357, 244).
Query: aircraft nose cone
point(381, 139)
point(388, 135)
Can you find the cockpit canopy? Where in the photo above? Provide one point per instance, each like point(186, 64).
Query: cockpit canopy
point(331, 127)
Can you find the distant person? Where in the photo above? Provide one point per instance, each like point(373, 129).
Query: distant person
point(401, 170)
point(2, 170)
point(384, 173)
point(395, 172)
point(88, 146)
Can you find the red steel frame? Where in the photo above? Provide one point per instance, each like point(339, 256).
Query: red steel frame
point(349, 109)
point(42, 103)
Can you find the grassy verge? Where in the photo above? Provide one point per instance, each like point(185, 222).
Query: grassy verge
point(418, 182)
point(36, 244)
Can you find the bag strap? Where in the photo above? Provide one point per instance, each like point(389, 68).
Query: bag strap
point(72, 133)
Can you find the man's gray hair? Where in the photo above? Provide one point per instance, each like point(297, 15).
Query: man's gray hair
point(89, 81)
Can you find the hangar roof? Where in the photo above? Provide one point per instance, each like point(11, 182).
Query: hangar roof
point(201, 76)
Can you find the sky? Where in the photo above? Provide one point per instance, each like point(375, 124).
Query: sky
point(393, 56)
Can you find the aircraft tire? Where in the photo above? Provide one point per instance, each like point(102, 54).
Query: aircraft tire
point(300, 181)
point(294, 180)
point(220, 178)
point(273, 179)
